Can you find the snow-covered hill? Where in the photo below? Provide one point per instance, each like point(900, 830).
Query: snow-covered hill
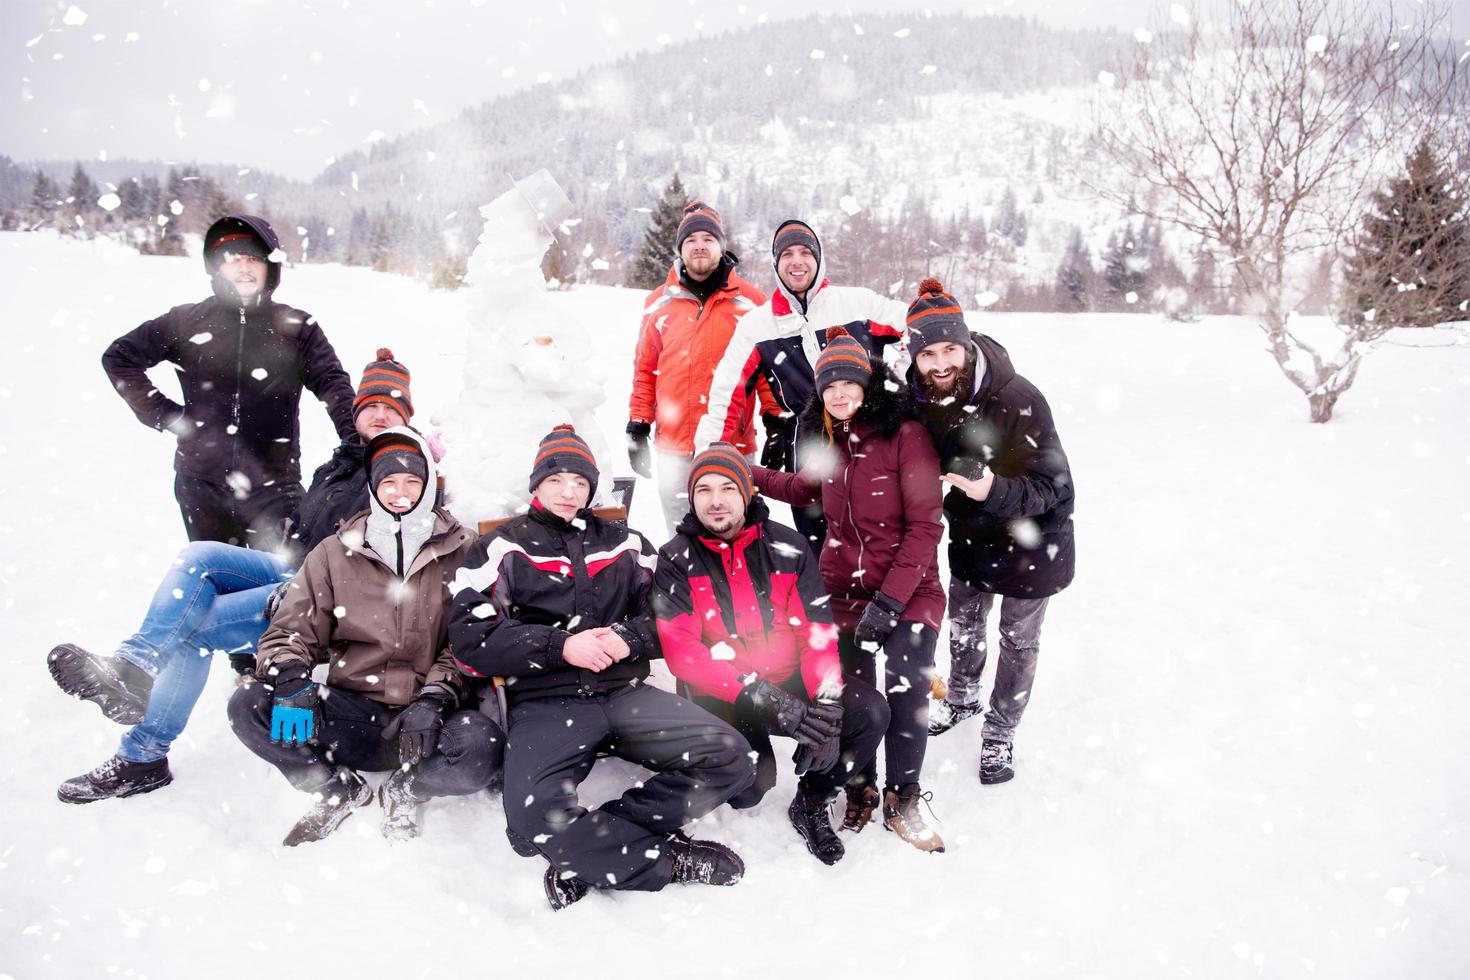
point(1243, 758)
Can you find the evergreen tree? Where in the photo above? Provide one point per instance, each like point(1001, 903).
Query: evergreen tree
point(81, 199)
point(1411, 267)
point(45, 198)
point(1125, 267)
point(1076, 280)
point(1003, 222)
point(650, 267)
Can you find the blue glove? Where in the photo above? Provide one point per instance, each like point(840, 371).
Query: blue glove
point(295, 706)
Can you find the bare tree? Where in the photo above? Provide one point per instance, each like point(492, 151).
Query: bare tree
point(1266, 127)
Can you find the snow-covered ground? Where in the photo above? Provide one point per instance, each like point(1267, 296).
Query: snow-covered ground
point(1240, 759)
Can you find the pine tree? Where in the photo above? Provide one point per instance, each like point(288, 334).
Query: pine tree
point(650, 267)
point(1125, 267)
point(44, 200)
point(81, 198)
point(1411, 267)
point(1076, 280)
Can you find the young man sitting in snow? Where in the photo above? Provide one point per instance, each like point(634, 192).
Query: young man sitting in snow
point(744, 620)
point(556, 602)
point(372, 602)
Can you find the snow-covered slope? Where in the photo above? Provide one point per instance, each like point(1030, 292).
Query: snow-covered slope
point(1243, 756)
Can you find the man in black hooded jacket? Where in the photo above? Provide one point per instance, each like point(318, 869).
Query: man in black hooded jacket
point(1009, 509)
point(242, 360)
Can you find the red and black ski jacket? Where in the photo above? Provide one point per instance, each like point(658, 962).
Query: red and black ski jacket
point(537, 579)
point(752, 605)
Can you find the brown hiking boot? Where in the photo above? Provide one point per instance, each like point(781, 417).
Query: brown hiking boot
point(901, 815)
point(861, 802)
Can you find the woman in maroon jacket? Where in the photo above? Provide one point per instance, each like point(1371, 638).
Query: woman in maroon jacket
point(874, 469)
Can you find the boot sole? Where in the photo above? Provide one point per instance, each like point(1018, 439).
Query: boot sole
point(1004, 777)
point(553, 897)
point(76, 672)
point(137, 789)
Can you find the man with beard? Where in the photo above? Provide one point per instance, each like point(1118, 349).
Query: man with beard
point(687, 323)
point(780, 342)
point(242, 360)
point(1009, 510)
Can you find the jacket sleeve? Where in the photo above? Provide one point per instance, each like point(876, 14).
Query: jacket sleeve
point(923, 504)
point(639, 630)
point(681, 634)
point(887, 319)
point(325, 378)
point(768, 403)
point(301, 629)
point(801, 489)
point(446, 673)
point(820, 667)
point(732, 384)
point(487, 641)
point(1045, 471)
point(643, 403)
point(127, 360)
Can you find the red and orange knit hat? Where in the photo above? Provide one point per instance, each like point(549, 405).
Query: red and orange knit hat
point(699, 216)
point(725, 460)
point(935, 317)
point(563, 451)
point(384, 380)
point(843, 359)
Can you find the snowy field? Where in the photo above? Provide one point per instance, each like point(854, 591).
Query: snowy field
point(1240, 760)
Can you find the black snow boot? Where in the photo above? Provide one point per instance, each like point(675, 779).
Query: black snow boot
point(996, 765)
point(563, 891)
point(704, 862)
point(335, 802)
point(116, 777)
point(812, 820)
point(944, 715)
point(114, 685)
point(402, 807)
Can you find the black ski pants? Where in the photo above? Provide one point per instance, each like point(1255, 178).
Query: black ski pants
point(699, 762)
point(864, 719)
point(467, 756)
point(907, 672)
point(213, 512)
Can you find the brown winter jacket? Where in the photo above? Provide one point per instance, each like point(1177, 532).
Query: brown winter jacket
point(384, 639)
point(880, 492)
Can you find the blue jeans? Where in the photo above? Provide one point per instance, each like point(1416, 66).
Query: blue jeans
point(213, 598)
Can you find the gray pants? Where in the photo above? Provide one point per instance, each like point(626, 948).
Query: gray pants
point(1020, 642)
point(672, 471)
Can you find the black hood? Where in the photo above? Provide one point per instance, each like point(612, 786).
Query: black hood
point(756, 512)
point(886, 406)
point(260, 229)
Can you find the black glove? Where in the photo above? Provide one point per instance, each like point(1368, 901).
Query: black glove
point(777, 449)
point(822, 757)
point(242, 663)
point(968, 467)
point(296, 713)
point(789, 715)
point(879, 620)
point(417, 726)
point(640, 457)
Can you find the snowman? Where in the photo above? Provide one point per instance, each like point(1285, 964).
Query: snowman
point(527, 367)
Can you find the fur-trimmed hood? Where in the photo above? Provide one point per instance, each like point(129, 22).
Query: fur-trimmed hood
point(887, 404)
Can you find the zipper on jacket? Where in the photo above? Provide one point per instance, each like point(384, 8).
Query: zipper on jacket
point(398, 536)
point(235, 407)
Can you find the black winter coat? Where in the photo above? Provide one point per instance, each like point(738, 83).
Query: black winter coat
point(527, 586)
point(339, 490)
point(241, 368)
point(1018, 541)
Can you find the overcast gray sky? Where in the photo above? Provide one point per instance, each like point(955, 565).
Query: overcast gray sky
point(285, 84)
